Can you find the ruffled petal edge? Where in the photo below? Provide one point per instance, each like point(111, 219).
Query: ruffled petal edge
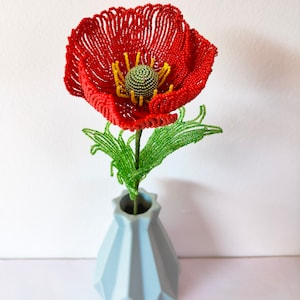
point(193, 83)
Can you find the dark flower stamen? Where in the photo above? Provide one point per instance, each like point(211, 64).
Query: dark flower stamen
point(143, 80)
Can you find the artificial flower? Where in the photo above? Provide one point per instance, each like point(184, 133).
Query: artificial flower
point(137, 66)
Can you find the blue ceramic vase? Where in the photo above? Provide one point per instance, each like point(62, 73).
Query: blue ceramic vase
point(136, 260)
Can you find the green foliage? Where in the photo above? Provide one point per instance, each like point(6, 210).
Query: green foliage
point(122, 155)
point(166, 140)
point(163, 141)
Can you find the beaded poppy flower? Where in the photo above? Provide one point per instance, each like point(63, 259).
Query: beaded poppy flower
point(137, 66)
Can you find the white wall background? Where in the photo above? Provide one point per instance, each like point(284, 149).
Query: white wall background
point(235, 194)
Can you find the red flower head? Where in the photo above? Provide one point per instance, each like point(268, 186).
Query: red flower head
point(136, 66)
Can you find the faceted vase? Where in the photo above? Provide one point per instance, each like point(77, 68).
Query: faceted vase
point(136, 260)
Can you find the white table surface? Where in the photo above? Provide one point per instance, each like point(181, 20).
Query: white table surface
point(273, 278)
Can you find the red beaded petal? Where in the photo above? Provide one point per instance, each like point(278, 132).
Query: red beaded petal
point(201, 61)
point(157, 31)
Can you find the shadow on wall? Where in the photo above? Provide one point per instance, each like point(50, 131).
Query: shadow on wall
point(260, 63)
point(188, 228)
point(262, 95)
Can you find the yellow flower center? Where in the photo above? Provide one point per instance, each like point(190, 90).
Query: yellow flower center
point(141, 81)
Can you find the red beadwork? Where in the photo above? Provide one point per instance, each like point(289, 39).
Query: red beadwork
point(157, 31)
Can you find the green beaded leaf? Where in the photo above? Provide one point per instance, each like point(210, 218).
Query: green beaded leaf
point(166, 140)
point(122, 155)
point(163, 141)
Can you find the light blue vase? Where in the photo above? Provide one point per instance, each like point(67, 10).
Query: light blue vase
point(136, 260)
